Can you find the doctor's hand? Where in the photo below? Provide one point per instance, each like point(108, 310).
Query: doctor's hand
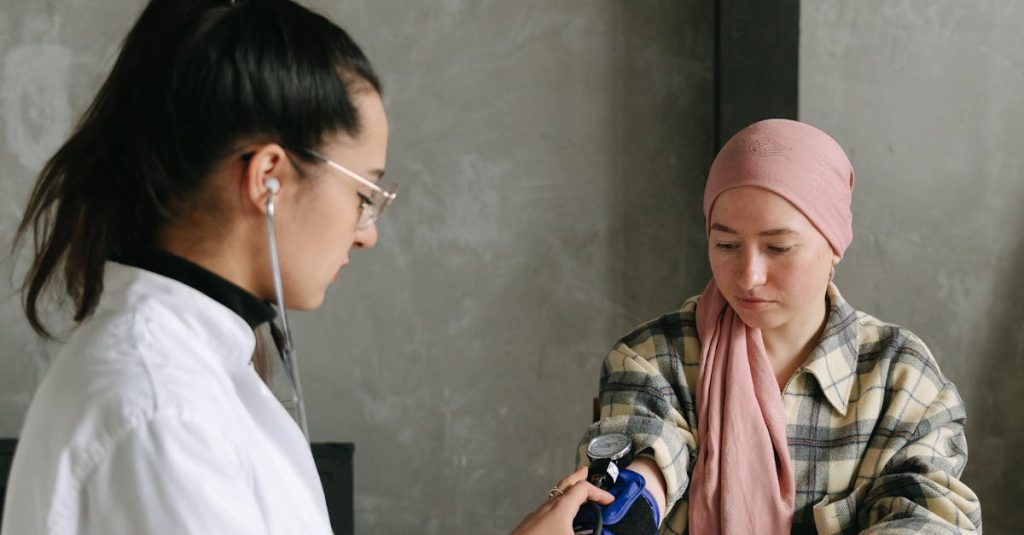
point(555, 515)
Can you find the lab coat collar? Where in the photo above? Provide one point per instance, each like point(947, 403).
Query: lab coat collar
point(250, 308)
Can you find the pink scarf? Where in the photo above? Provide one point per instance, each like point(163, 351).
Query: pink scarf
point(742, 482)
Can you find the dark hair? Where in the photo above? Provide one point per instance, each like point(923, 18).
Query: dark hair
point(194, 80)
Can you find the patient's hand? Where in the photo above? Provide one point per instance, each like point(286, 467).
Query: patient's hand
point(555, 515)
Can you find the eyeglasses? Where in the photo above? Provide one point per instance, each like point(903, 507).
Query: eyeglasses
point(373, 206)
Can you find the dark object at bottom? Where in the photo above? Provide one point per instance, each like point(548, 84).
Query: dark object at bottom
point(334, 464)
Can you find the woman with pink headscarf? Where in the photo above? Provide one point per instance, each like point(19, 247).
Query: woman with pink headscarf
point(768, 404)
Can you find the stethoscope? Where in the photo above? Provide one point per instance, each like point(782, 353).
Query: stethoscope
point(286, 348)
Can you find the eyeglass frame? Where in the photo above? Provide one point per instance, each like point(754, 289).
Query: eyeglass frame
point(385, 195)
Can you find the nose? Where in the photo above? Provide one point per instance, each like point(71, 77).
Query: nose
point(366, 238)
point(753, 271)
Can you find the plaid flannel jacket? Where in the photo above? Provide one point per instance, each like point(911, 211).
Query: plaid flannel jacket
point(875, 431)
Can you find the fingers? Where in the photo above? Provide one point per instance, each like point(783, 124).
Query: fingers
point(582, 492)
point(556, 514)
point(576, 490)
point(579, 475)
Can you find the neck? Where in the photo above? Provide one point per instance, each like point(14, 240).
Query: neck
point(219, 254)
point(789, 345)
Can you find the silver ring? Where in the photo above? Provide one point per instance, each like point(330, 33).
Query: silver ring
point(554, 491)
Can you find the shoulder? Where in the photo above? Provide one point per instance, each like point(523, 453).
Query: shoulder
point(100, 421)
point(121, 371)
point(897, 352)
point(138, 359)
point(672, 335)
point(900, 380)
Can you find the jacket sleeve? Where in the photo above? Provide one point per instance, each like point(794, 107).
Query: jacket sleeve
point(644, 395)
point(170, 474)
point(919, 490)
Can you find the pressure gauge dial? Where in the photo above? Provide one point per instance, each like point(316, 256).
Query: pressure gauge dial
point(613, 446)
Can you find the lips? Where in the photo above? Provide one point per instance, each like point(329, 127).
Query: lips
point(754, 303)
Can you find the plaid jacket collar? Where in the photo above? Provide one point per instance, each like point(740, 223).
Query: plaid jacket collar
point(833, 363)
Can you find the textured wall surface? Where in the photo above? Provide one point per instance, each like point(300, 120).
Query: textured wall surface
point(552, 158)
point(926, 96)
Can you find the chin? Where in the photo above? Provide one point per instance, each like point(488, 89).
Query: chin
point(759, 320)
point(305, 302)
point(314, 303)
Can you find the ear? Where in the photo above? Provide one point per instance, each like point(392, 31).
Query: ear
point(267, 163)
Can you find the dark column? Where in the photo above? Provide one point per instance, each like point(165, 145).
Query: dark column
point(756, 63)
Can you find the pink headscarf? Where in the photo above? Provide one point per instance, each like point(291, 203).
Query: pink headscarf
point(743, 479)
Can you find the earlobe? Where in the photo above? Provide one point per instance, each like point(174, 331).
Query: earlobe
point(832, 271)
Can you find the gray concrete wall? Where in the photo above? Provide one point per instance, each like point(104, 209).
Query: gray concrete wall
point(552, 157)
point(926, 96)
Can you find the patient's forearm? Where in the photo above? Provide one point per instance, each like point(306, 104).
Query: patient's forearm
point(655, 481)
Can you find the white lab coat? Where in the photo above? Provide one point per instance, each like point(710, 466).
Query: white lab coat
point(151, 420)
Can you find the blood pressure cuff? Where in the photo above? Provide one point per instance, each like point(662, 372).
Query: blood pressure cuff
point(634, 511)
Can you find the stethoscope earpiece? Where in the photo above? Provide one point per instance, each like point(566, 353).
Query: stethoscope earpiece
point(272, 184)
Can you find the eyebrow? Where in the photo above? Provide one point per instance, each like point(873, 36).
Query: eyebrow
point(770, 232)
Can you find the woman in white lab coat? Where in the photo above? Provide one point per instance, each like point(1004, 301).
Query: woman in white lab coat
point(152, 222)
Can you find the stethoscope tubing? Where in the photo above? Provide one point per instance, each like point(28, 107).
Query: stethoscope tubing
point(288, 351)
